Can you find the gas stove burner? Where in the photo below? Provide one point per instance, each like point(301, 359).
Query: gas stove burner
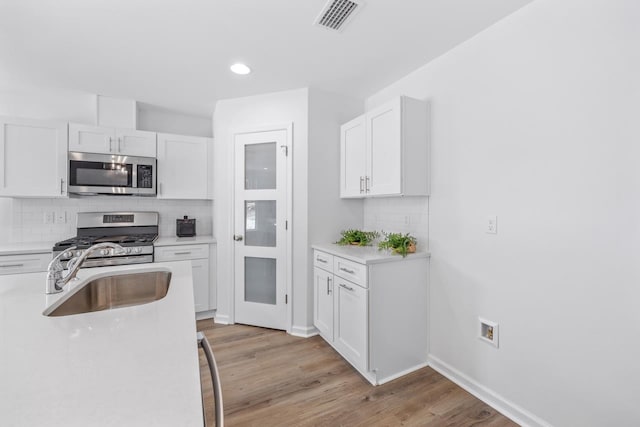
point(135, 231)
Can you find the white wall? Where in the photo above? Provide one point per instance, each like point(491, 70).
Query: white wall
point(328, 214)
point(159, 119)
point(234, 115)
point(535, 120)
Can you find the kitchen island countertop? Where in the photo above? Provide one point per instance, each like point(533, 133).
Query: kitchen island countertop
point(130, 366)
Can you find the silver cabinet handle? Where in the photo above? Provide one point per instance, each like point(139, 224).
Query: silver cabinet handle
point(182, 253)
point(61, 185)
point(237, 237)
point(361, 184)
point(110, 144)
point(321, 260)
point(215, 376)
point(11, 265)
point(328, 288)
point(349, 288)
point(367, 189)
point(119, 147)
point(346, 270)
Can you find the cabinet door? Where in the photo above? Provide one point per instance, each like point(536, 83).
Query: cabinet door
point(33, 158)
point(136, 142)
point(384, 149)
point(323, 303)
point(200, 272)
point(353, 158)
point(182, 167)
point(350, 321)
point(92, 139)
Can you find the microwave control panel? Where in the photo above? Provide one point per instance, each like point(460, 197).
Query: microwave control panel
point(145, 176)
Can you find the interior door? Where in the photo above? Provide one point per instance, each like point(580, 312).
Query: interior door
point(260, 208)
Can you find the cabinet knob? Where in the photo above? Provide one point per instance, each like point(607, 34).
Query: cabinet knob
point(237, 237)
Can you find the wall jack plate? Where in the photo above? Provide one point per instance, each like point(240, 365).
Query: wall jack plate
point(488, 331)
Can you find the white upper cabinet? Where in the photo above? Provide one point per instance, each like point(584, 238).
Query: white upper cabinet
point(385, 152)
point(33, 158)
point(353, 153)
point(183, 167)
point(107, 140)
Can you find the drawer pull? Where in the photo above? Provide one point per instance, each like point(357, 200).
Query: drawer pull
point(11, 265)
point(349, 288)
point(346, 270)
point(182, 253)
point(321, 260)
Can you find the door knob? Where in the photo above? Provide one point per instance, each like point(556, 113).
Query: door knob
point(237, 237)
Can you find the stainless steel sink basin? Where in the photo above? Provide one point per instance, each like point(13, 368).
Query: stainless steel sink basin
point(119, 290)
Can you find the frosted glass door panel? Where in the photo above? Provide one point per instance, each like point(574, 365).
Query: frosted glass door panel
point(260, 280)
point(260, 223)
point(260, 166)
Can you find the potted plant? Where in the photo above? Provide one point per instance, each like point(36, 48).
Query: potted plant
point(357, 237)
point(399, 243)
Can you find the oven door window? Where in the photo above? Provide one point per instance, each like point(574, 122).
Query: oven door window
point(99, 174)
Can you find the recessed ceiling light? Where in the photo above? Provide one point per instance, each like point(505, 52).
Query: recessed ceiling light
point(240, 69)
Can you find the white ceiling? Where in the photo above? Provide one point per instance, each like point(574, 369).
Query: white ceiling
point(176, 54)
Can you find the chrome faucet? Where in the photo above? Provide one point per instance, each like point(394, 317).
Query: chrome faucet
point(55, 277)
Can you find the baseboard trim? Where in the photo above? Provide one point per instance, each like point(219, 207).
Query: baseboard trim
point(401, 373)
point(202, 315)
point(222, 319)
point(303, 331)
point(491, 398)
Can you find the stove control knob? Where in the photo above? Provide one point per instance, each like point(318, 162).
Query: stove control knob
point(104, 252)
point(137, 250)
point(78, 253)
point(128, 250)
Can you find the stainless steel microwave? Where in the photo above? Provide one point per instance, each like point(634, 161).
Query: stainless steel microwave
point(114, 174)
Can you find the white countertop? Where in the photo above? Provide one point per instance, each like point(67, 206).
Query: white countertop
point(196, 240)
point(130, 366)
point(25, 248)
point(366, 254)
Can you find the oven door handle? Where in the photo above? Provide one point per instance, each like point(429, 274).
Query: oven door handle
point(215, 376)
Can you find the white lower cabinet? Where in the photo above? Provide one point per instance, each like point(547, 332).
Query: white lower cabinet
point(350, 322)
point(199, 257)
point(24, 263)
point(373, 312)
point(323, 302)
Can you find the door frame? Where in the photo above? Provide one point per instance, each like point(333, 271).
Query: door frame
point(288, 128)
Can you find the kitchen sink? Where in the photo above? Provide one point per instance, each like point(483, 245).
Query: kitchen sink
point(118, 290)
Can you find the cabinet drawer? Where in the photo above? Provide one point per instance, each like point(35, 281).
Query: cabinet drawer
point(352, 271)
point(177, 253)
point(28, 263)
point(323, 260)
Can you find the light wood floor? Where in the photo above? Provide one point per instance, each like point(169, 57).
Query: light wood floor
point(270, 378)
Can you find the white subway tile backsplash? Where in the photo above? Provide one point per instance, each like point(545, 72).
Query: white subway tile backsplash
point(27, 223)
point(399, 215)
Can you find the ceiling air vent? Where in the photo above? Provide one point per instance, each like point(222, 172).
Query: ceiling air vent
point(336, 13)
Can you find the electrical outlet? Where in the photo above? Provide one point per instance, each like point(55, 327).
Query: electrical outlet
point(488, 331)
point(48, 218)
point(61, 217)
point(492, 224)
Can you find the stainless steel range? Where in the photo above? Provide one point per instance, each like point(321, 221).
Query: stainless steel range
point(135, 231)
